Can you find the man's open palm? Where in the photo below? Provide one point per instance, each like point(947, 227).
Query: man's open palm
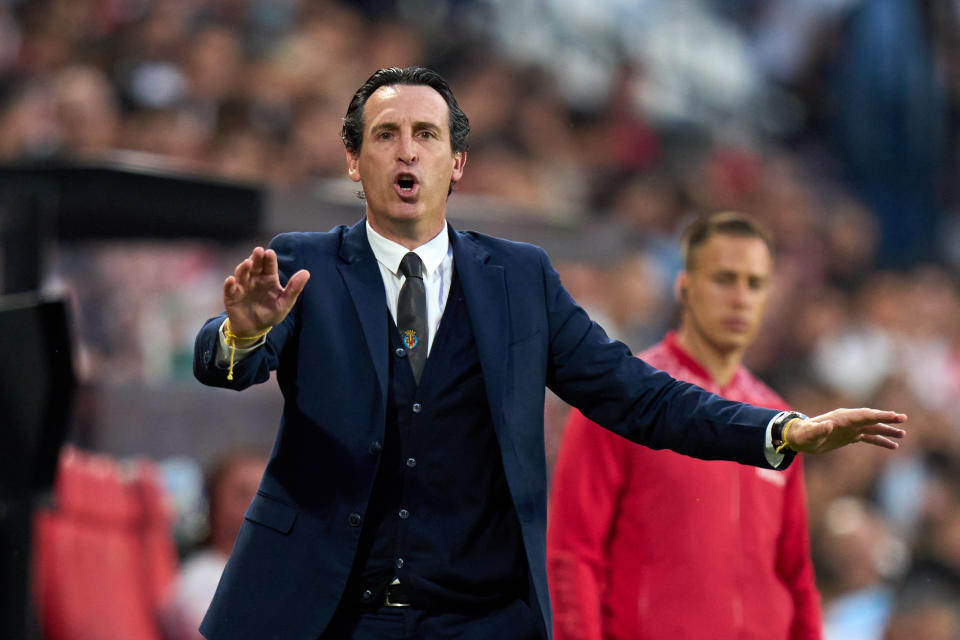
point(841, 427)
point(253, 296)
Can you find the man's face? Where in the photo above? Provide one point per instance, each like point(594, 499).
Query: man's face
point(406, 163)
point(727, 286)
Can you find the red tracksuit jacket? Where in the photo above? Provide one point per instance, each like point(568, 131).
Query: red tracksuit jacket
point(653, 545)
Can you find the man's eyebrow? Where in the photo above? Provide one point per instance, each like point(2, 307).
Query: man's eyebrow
point(417, 126)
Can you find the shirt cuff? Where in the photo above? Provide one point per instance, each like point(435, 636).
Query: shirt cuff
point(774, 459)
point(223, 352)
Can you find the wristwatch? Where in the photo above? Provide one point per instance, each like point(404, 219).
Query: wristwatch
point(779, 422)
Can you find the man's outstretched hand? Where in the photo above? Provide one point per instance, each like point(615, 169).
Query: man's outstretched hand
point(253, 297)
point(841, 427)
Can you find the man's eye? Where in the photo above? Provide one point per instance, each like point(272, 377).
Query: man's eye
point(385, 135)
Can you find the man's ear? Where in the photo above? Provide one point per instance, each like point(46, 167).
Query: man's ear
point(680, 287)
point(459, 160)
point(353, 166)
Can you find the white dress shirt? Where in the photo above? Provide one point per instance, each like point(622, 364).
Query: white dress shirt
point(437, 257)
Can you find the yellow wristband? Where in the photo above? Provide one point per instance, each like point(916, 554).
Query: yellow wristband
point(232, 341)
point(786, 443)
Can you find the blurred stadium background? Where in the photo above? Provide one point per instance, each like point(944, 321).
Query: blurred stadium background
point(147, 145)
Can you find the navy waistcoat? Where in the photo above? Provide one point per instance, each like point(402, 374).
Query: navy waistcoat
point(440, 516)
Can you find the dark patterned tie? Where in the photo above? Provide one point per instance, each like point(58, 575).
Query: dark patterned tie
point(412, 313)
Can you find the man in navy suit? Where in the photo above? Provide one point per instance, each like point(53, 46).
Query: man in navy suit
point(405, 496)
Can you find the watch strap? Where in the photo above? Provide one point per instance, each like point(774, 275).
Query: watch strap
point(779, 422)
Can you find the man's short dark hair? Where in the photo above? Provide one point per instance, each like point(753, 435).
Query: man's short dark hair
point(725, 223)
point(352, 132)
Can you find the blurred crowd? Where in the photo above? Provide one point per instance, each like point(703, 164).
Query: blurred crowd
point(833, 122)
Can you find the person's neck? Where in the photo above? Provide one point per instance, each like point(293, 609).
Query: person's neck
point(721, 364)
point(411, 235)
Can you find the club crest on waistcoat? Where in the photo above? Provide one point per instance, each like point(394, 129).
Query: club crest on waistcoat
point(410, 338)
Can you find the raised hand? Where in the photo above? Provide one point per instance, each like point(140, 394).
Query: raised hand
point(845, 426)
point(253, 296)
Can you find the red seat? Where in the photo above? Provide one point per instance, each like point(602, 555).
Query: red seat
point(104, 558)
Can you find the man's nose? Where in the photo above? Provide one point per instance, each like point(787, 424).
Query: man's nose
point(742, 294)
point(406, 149)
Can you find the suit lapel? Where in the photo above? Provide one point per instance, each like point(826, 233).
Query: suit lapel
point(485, 291)
point(361, 274)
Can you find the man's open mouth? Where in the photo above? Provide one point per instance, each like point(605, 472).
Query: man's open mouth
point(406, 183)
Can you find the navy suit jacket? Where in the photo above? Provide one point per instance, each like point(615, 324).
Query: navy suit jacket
point(294, 552)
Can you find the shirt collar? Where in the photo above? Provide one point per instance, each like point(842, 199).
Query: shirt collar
point(389, 253)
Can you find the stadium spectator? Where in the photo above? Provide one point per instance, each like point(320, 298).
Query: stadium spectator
point(230, 488)
point(648, 544)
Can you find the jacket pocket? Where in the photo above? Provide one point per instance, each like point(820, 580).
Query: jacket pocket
point(271, 513)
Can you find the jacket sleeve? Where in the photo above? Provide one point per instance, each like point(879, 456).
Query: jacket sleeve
point(794, 563)
point(257, 365)
point(603, 379)
point(588, 483)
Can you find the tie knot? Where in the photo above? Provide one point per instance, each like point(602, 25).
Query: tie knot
point(411, 266)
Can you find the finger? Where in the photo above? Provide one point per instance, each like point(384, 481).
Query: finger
point(229, 287)
point(879, 441)
point(295, 285)
point(866, 416)
point(256, 261)
point(270, 262)
point(883, 430)
point(242, 272)
point(878, 415)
